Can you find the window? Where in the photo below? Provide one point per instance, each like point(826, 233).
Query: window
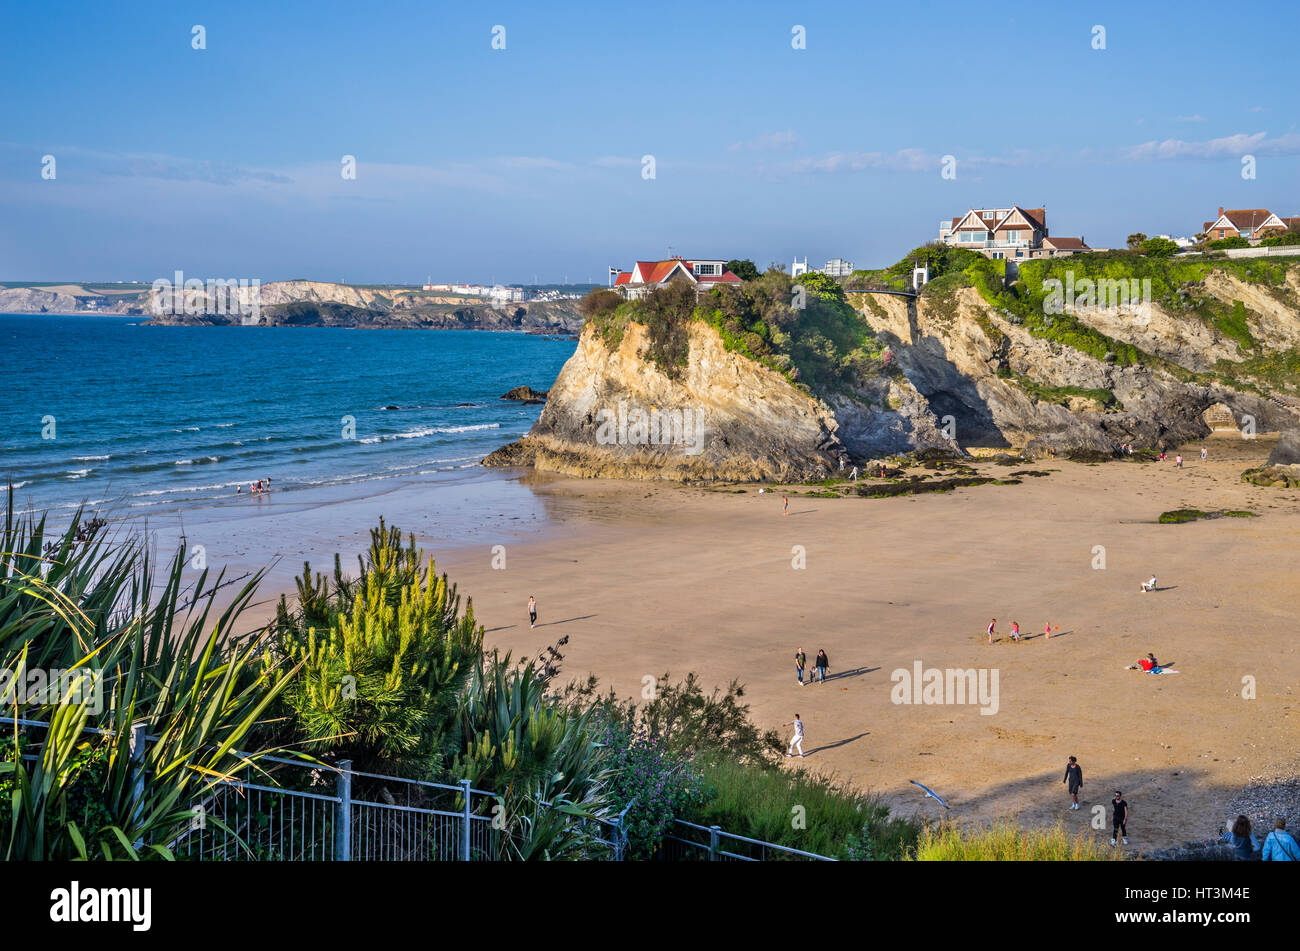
point(989, 215)
point(706, 269)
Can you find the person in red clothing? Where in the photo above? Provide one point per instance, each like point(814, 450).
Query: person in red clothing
point(1148, 663)
point(992, 629)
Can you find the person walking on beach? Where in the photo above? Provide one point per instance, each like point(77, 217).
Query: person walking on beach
point(785, 505)
point(797, 739)
point(992, 629)
point(1243, 843)
point(1119, 818)
point(1073, 781)
point(1205, 453)
point(532, 611)
point(1280, 845)
point(1047, 629)
point(1178, 461)
point(1015, 630)
point(800, 662)
point(823, 664)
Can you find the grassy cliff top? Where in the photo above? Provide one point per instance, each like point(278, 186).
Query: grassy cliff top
point(806, 330)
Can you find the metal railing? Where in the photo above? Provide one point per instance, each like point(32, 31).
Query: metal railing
point(290, 810)
point(684, 843)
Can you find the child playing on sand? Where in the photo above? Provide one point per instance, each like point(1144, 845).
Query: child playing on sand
point(1149, 585)
point(785, 505)
point(1047, 629)
point(1178, 460)
point(1204, 452)
point(993, 625)
point(1015, 630)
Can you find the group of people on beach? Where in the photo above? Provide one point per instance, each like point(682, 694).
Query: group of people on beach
point(992, 629)
point(255, 488)
point(821, 662)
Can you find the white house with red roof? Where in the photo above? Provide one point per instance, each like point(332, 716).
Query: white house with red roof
point(1253, 224)
point(645, 276)
point(1015, 233)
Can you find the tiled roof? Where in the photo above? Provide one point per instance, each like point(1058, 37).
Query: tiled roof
point(1066, 244)
point(1245, 218)
point(623, 278)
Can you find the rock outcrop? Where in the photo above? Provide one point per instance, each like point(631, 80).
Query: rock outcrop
point(1282, 470)
point(1003, 386)
point(614, 414)
point(525, 394)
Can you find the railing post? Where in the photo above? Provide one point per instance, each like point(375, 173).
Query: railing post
point(343, 817)
point(465, 821)
point(137, 774)
point(713, 842)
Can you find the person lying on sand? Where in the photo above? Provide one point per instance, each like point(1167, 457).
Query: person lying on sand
point(1149, 585)
point(1149, 665)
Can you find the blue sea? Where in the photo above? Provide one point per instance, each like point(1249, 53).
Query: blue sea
point(150, 420)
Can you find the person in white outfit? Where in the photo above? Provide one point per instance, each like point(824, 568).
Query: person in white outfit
point(797, 739)
point(1149, 585)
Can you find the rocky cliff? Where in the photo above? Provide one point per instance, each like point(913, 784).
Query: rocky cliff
point(1002, 385)
point(613, 413)
point(300, 304)
point(319, 304)
point(958, 373)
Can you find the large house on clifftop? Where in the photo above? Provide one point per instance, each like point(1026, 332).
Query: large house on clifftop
point(1015, 233)
point(1253, 224)
point(645, 276)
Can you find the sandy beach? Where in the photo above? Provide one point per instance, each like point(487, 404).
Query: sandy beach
point(647, 578)
point(652, 578)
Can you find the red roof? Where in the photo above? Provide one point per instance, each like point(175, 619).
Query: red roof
point(725, 277)
point(623, 278)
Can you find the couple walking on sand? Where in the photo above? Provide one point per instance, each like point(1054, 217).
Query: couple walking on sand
point(1118, 806)
point(822, 663)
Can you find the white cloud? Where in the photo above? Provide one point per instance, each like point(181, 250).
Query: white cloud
point(1193, 118)
point(1232, 146)
point(766, 142)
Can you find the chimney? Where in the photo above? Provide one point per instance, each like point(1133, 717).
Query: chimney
point(1220, 209)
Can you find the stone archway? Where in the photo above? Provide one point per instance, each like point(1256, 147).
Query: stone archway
point(1219, 417)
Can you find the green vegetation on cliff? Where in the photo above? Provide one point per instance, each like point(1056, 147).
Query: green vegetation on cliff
point(804, 329)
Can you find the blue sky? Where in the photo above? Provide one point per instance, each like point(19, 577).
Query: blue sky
point(504, 165)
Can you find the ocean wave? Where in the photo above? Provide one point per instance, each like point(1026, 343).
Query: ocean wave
point(79, 473)
point(90, 458)
point(428, 431)
point(200, 461)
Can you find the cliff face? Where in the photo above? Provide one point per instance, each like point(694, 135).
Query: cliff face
point(972, 375)
point(614, 414)
point(318, 304)
point(1003, 386)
